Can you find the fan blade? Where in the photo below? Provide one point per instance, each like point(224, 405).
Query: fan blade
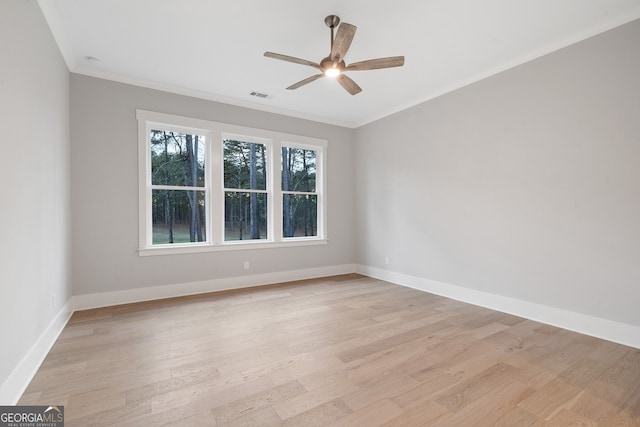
point(376, 64)
point(349, 85)
point(291, 59)
point(305, 81)
point(343, 40)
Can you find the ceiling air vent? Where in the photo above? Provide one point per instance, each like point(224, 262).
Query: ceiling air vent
point(259, 94)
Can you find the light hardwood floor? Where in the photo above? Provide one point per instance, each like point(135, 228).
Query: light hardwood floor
point(339, 351)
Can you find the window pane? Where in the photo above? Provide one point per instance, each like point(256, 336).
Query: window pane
point(299, 215)
point(177, 159)
point(298, 170)
point(245, 215)
point(174, 218)
point(244, 165)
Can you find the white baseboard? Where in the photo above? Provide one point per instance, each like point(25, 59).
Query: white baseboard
point(17, 382)
point(609, 330)
point(105, 299)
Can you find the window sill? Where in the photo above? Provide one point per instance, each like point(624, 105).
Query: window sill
point(229, 246)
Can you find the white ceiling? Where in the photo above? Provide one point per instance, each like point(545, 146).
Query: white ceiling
point(214, 49)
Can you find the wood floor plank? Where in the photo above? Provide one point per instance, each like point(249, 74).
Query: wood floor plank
point(337, 351)
point(488, 381)
point(551, 398)
point(486, 409)
point(418, 415)
point(320, 416)
point(372, 391)
point(518, 417)
point(107, 416)
point(592, 407)
point(567, 418)
point(256, 404)
point(309, 400)
point(373, 415)
point(437, 382)
point(616, 419)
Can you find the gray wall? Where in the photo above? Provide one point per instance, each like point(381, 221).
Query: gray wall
point(105, 192)
point(34, 195)
point(526, 184)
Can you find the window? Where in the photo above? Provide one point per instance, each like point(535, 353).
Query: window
point(245, 190)
point(178, 186)
point(299, 195)
point(211, 186)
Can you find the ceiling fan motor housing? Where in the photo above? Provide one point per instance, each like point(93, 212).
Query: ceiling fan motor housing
point(327, 63)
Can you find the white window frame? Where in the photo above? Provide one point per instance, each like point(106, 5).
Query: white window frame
point(215, 133)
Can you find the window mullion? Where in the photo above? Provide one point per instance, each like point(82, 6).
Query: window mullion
point(207, 184)
point(276, 185)
point(177, 187)
point(217, 192)
point(320, 191)
point(244, 190)
point(301, 193)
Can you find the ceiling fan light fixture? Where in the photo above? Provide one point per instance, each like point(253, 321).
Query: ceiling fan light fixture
point(332, 72)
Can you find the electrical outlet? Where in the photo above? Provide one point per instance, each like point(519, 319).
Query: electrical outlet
point(246, 265)
point(386, 260)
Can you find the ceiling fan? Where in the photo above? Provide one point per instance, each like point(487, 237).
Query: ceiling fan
point(334, 65)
